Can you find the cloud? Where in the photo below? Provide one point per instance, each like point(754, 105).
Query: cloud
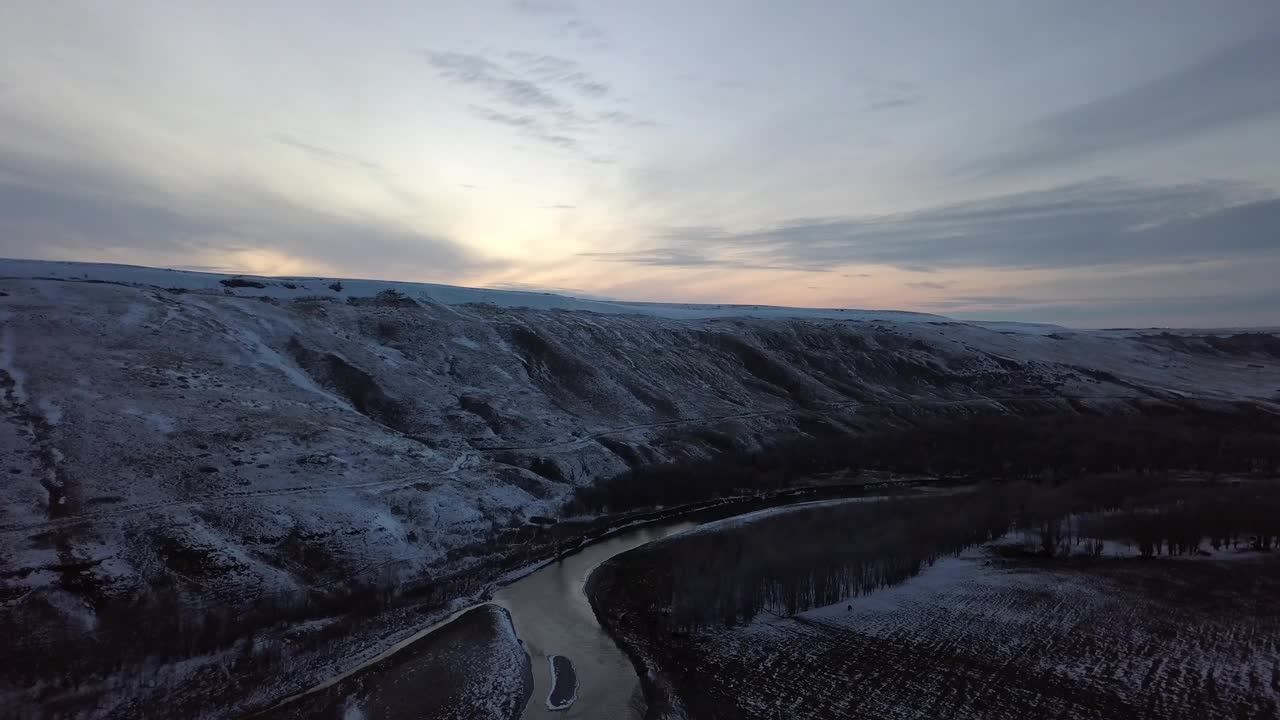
point(559, 207)
point(560, 71)
point(929, 285)
point(678, 257)
point(545, 7)
point(532, 126)
point(1203, 310)
point(620, 117)
point(495, 116)
point(892, 96)
point(375, 172)
point(47, 215)
point(585, 31)
point(487, 75)
point(657, 257)
point(326, 154)
point(56, 210)
point(563, 141)
point(890, 103)
point(575, 26)
point(1099, 222)
point(549, 290)
point(1235, 85)
point(538, 95)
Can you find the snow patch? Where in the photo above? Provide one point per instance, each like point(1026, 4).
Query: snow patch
point(266, 356)
point(8, 365)
point(73, 609)
point(134, 315)
point(163, 424)
point(52, 413)
point(159, 422)
point(944, 573)
point(352, 710)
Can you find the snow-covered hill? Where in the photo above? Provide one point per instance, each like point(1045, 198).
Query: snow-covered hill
point(251, 436)
point(292, 288)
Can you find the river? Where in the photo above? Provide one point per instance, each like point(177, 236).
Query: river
point(552, 616)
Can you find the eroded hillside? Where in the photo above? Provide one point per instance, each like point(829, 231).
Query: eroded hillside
point(233, 442)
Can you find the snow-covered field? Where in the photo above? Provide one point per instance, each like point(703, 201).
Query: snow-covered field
point(978, 636)
point(472, 669)
point(290, 288)
point(241, 439)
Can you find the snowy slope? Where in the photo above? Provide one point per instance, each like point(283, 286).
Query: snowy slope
point(247, 442)
point(289, 288)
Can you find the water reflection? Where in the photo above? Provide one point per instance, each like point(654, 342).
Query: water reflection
point(552, 617)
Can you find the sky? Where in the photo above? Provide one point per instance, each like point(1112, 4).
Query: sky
point(1089, 163)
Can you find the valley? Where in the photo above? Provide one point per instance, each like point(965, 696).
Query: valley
point(261, 483)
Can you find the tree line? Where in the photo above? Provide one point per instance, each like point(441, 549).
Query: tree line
point(1237, 439)
point(792, 561)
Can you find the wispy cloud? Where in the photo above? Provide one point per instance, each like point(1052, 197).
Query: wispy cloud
point(502, 118)
point(1249, 307)
point(553, 131)
point(545, 97)
point(679, 257)
point(1235, 85)
point(373, 171)
point(560, 71)
point(1100, 222)
point(891, 96)
point(550, 289)
point(621, 117)
point(66, 210)
point(487, 75)
point(586, 32)
point(571, 22)
point(545, 7)
point(327, 154)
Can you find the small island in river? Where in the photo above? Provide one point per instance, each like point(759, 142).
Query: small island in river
point(564, 683)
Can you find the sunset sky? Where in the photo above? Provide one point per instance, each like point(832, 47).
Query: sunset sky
point(1088, 163)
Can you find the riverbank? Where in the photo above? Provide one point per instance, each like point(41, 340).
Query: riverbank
point(473, 668)
point(1095, 627)
point(544, 546)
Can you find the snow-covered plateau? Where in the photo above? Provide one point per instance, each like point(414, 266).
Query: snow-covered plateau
point(235, 439)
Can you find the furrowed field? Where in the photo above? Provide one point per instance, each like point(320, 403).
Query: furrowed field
point(999, 629)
